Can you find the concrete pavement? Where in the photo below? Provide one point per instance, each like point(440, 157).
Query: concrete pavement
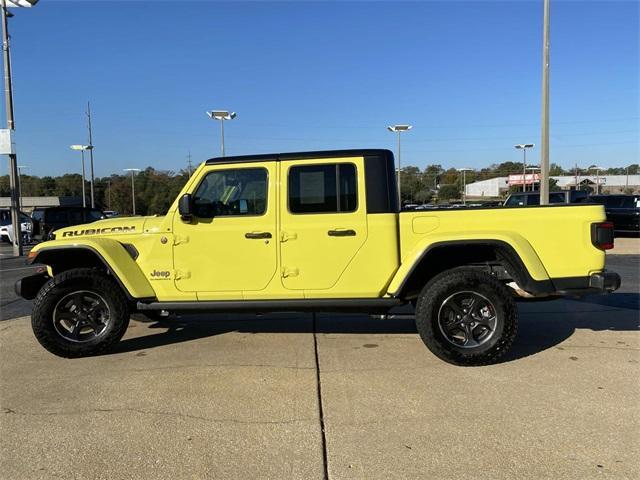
point(249, 397)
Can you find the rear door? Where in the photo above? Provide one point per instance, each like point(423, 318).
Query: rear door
point(323, 220)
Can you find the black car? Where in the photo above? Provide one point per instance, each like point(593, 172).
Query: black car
point(523, 199)
point(47, 220)
point(622, 210)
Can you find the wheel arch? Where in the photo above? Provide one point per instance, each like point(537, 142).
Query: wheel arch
point(444, 255)
point(105, 254)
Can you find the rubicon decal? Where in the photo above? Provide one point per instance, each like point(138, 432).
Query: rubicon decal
point(97, 231)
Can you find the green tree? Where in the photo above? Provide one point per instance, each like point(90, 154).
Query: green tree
point(449, 192)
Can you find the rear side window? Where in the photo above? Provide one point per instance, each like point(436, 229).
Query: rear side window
point(37, 215)
point(630, 202)
point(233, 192)
point(56, 216)
point(93, 215)
point(329, 188)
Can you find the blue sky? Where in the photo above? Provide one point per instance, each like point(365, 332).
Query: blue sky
point(323, 75)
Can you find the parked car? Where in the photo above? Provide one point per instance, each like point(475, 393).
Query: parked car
point(527, 199)
point(315, 231)
point(111, 213)
point(47, 220)
point(6, 229)
point(622, 210)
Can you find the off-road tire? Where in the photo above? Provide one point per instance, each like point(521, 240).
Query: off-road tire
point(464, 279)
point(85, 279)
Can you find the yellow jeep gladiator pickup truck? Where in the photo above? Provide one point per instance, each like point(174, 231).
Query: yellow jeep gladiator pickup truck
point(315, 231)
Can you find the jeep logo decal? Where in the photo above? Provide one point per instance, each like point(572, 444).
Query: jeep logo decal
point(97, 231)
point(163, 274)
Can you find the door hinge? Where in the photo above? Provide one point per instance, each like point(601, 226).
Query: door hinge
point(285, 236)
point(289, 272)
point(178, 239)
point(181, 274)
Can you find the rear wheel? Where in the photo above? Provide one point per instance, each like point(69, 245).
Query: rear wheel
point(466, 317)
point(80, 312)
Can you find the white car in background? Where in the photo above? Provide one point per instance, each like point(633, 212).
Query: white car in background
point(6, 229)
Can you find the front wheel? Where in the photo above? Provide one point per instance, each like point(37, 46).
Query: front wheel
point(466, 317)
point(79, 312)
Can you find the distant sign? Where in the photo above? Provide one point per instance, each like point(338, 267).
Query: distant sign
point(530, 178)
point(6, 142)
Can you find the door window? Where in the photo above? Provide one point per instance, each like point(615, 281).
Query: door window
point(330, 188)
point(241, 191)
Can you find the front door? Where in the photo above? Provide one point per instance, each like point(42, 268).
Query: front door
point(230, 244)
point(323, 221)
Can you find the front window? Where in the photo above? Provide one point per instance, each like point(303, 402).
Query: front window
point(233, 192)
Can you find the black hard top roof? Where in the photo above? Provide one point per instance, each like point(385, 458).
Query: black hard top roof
point(276, 157)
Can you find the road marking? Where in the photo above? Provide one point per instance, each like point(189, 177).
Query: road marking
point(21, 268)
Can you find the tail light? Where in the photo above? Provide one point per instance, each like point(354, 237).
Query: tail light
point(602, 235)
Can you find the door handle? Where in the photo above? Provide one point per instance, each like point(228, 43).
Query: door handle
point(341, 233)
point(257, 235)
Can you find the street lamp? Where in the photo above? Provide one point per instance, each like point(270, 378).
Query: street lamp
point(133, 186)
point(523, 147)
point(464, 183)
point(399, 129)
point(597, 169)
point(222, 115)
point(20, 168)
point(82, 148)
point(14, 177)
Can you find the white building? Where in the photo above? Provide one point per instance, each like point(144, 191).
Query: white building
point(499, 186)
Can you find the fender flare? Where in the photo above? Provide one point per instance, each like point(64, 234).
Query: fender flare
point(528, 268)
point(112, 254)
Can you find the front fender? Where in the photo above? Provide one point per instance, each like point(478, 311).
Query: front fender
point(516, 242)
point(109, 252)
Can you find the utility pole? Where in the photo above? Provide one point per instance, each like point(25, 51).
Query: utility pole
point(133, 187)
point(544, 144)
point(14, 177)
point(399, 129)
point(93, 203)
point(189, 166)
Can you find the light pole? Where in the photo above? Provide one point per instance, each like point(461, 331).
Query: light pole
point(464, 183)
point(399, 129)
point(14, 177)
point(523, 147)
point(133, 186)
point(627, 182)
point(222, 115)
point(82, 148)
point(90, 148)
point(597, 169)
point(20, 168)
point(544, 143)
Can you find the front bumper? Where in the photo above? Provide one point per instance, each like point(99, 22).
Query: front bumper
point(28, 287)
point(600, 282)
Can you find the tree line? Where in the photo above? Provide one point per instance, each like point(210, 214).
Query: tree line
point(157, 189)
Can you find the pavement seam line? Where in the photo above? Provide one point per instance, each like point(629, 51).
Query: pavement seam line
point(11, 411)
point(325, 461)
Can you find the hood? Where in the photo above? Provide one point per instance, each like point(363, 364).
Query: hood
point(111, 226)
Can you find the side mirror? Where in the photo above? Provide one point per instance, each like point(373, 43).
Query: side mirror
point(185, 207)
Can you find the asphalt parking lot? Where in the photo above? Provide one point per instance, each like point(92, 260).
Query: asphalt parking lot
point(327, 396)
